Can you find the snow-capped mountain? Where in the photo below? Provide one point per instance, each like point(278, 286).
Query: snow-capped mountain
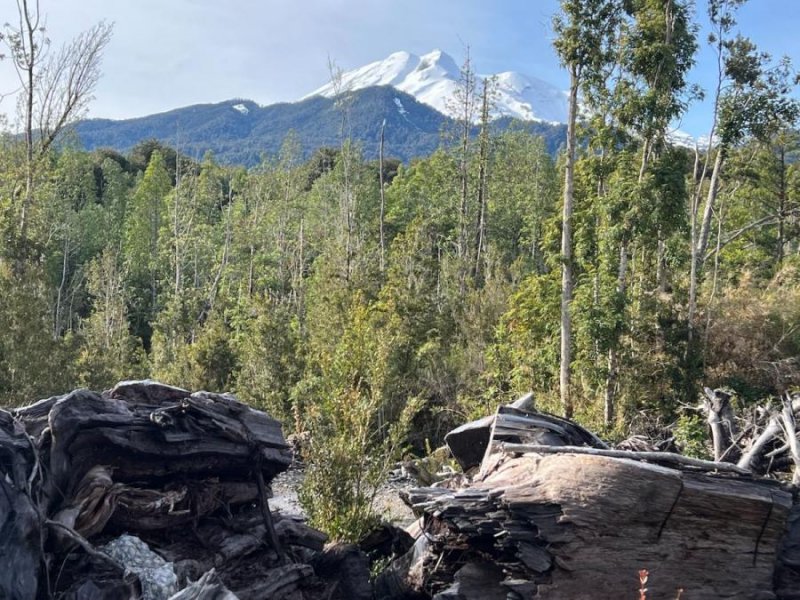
point(433, 78)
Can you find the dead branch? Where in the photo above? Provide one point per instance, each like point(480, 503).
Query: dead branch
point(653, 457)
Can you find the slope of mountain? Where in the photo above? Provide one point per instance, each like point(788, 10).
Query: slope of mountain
point(433, 78)
point(240, 131)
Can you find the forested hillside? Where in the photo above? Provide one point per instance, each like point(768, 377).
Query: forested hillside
point(240, 132)
point(348, 296)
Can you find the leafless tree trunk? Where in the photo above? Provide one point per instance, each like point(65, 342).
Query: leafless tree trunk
point(483, 173)
point(781, 205)
point(61, 287)
point(56, 87)
point(223, 263)
point(719, 415)
point(790, 431)
point(347, 202)
point(464, 105)
point(176, 232)
point(383, 197)
point(566, 249)
point(700, 231)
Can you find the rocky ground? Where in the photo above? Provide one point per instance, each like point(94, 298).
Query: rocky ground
point(286, 486)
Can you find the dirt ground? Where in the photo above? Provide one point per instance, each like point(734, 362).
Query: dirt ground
point(388, 504)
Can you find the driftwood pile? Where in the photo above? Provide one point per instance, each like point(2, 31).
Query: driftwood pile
point(551, 512)
point(150, 491)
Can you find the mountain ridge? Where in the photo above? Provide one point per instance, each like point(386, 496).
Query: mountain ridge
point(240, 131)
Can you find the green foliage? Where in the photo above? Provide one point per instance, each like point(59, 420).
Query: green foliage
point(269, 348)
point(272, 282)
point(32, 363)
point(141, 244)
point(352, 444)
point(691, 436)
point(526, 356)
point(109, 352)
point(753, 338)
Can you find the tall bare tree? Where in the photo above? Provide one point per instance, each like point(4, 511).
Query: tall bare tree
point(56, 86)
point(488, 93)
point(585, 34)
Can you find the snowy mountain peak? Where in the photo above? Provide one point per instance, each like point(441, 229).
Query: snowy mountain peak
point(433, 78)
point(438, 62)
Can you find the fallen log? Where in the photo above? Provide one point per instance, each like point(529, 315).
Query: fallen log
point(552, 512)
point(516, 423)
point(207, 587)
point(574, 526)
point(20, 542)
point(196, 436)
point(549, 517)
point(653, 457)
point(187, 475)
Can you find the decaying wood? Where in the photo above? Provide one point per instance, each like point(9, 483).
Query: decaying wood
point(185, 473)
point(20, 544)
point(788, 421)
point(208, 587)
point(756, 449)
point(552, 512)
point(787, 571)
point(516, 423)
point(279, 583)
point(653, 457)
point(266, 515)
point(720, 418)
point(547, 518)
point(296, 533)
point(570, 526)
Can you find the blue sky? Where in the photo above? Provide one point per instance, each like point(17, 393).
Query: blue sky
point(170, 53)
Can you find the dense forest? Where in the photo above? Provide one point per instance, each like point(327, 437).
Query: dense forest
point(375, 304)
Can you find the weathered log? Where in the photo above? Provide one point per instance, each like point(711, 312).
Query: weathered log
point(750, 458)
point(208, 587)
point(277, 584)
point(142, 457)
point(20, 542)
point(788, 421)
point(146, 391)
point(269, 527)
point(244, 537)
point(296, 533)
point(518, 423)
point(177, 503)
point(198, 436)
point(520, 426)
point(720, 418)
point(36, 416)
point(569, 526)
point(653, 457)
point(345, 569)
point(787, 571)
point(469, 441)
